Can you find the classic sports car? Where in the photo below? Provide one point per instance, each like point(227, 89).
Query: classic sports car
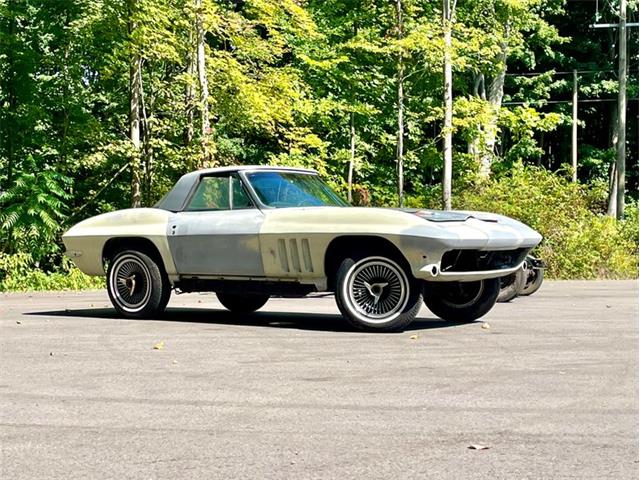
point(247, 233)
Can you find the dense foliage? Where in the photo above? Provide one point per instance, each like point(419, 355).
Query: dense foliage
point(316, 83)
point(578, 242)
point(17, 273)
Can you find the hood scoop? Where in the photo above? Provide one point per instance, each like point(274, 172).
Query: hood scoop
point(442, 216)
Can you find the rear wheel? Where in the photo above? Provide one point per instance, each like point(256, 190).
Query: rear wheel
point(137, 286)
point(533, 282)
point(238, 303)
point(461, 301)
point(511, 285)
point(375, 293)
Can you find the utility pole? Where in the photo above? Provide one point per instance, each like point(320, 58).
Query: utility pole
point(617, 183)
point(574, 130)
point(622, 109)
point(448, 107)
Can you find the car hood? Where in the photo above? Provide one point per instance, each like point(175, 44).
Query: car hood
point(446, 216)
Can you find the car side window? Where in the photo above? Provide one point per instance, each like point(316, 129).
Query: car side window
point(212, 193)
point(240, 197)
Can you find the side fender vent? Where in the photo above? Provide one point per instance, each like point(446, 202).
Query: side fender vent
point(306, 255)
point(282, 253)
point(295, 255)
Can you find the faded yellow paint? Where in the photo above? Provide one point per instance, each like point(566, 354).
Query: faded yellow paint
point(85, 241)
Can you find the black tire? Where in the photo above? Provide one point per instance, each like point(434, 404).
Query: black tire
point(388, 305)
point(511, 285)
point(137, 285)
point(534, 278)
point(239, 303)
point(166, 296)
point(461, 301)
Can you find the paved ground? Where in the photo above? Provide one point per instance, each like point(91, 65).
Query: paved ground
point(551, 387)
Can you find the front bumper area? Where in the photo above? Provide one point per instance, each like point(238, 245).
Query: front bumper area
point(433, 273)
point(471, 250)
point(467, 265)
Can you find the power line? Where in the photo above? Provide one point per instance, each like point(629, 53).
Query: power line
point(612, 25)
point(594, 100)
point(533, 74)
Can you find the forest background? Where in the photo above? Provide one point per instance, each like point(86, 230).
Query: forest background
point(105, 103)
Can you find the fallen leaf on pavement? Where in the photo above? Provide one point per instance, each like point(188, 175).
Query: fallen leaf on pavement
point(159, 346)
point(413, 337)
point(478, 447)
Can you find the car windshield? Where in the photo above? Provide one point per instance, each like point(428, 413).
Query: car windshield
point(290, 189)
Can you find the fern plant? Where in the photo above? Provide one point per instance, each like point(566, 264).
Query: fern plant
point(32, 211)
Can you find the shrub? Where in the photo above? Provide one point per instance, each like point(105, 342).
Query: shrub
point(32, 211)
point(578, 243)
point(19, 273)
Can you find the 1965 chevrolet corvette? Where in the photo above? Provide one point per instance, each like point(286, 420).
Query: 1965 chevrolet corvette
point(247, 233)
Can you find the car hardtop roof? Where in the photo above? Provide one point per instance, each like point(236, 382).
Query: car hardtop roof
point(242, 168)
point(174, 200)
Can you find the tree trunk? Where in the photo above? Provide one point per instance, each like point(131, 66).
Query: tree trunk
point(64, 101)
point(10, 134)
point(473, 147)
point(352, 137)
point(147, 146)
point(203, 83)
point(613, 185)
point(9, 119)
point(135, 64)
point(448, 108)
point(574, 129)
point(612, 201)
point(496, 93)
point(352, 160)
point(622, 111)
point(189, 95)
point(400, 145)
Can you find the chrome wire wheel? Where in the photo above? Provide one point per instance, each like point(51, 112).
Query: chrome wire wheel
point(130, 283)
point(377, 289)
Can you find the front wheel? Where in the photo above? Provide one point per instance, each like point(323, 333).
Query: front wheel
point(375, 293)
point(242, 303)
point(461, 301)
point(137, 286)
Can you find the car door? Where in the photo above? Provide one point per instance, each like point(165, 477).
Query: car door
point(217, 232)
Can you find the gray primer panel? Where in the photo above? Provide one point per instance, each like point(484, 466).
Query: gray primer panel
point(217, 242)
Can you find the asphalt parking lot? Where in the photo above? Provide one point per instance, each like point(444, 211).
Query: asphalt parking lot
point(551, 387)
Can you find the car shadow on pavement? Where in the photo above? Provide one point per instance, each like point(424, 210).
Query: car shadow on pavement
point(294, 320)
